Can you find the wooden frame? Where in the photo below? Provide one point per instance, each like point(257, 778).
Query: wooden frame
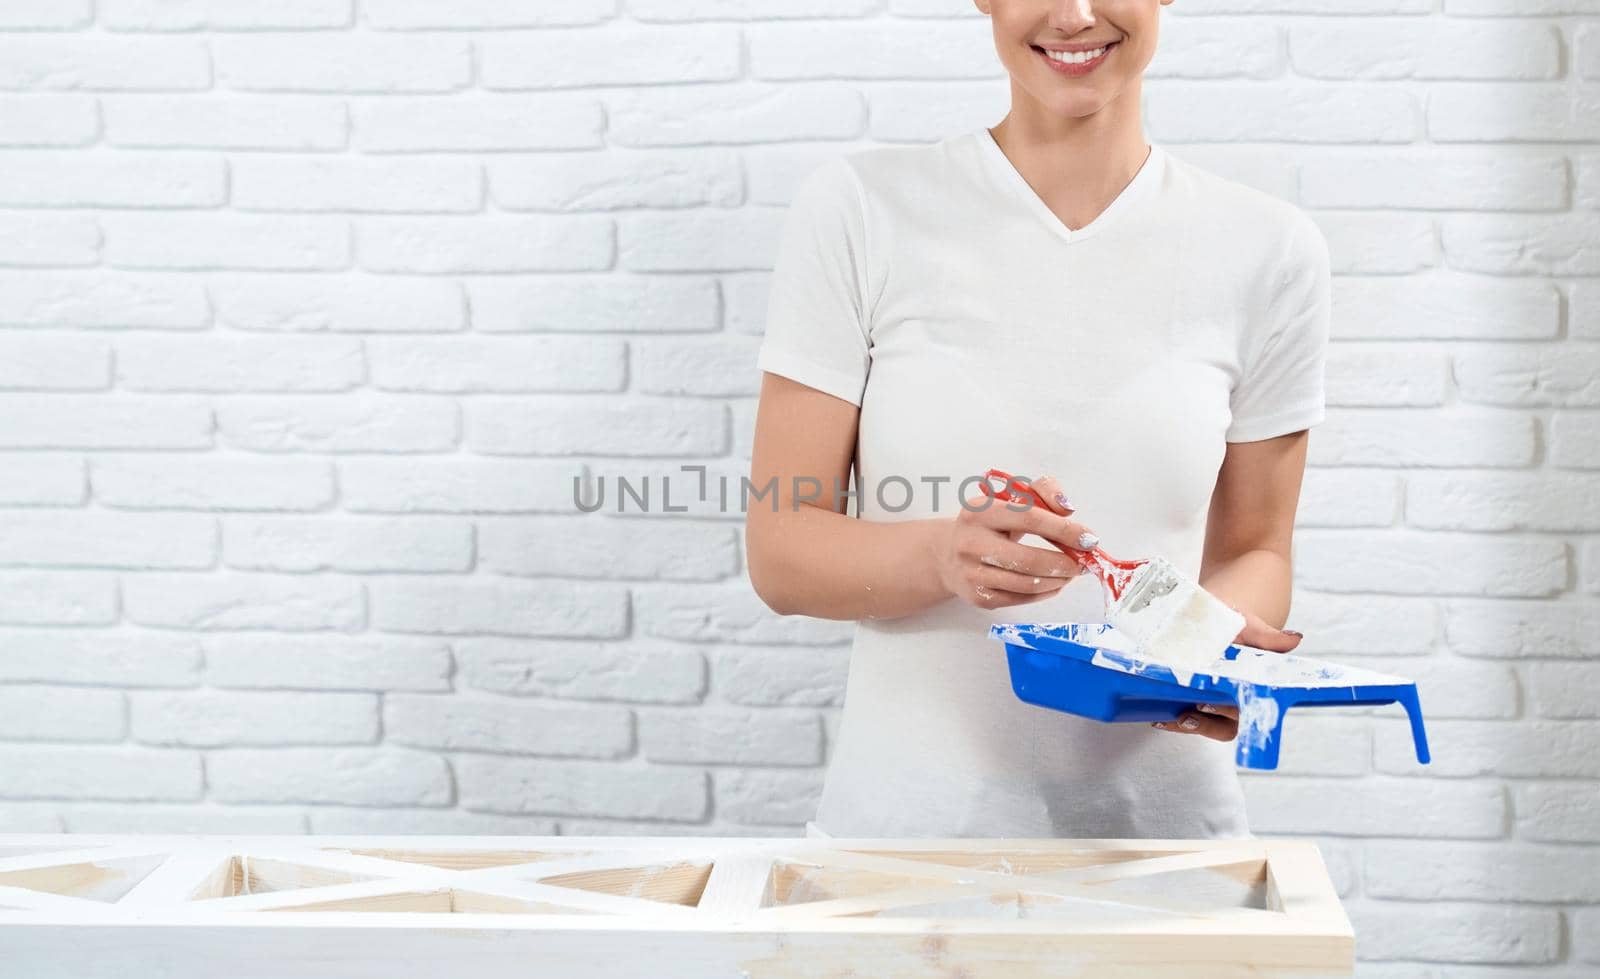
point(302, 907)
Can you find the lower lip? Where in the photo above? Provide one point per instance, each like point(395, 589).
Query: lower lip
point(1075, 70)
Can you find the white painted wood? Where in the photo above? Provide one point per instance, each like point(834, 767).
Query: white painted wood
point(318, 908)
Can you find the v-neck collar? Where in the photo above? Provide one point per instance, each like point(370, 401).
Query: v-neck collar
point(1143, 182)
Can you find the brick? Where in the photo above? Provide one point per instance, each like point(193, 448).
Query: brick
point(1445, 306)
point(1558, 812)
point(594, 547)
point(104, 63)
point(1485, 112)
point(1351, 112)
point(1336, 7)
point(478, 123)
point(691, 10)
point(324, 543)
point(575, 788)
point(100, 299)
point(768, 797)
point(721, 613)
point(1408, 808)
point(1426, 49)
point(219, 719)
point(1196, 48)
point(1520, 8)
point(222, 15)
point(1529, 375)
point(287, 243)
point(94, 772)
point(112, 179)
point(583, 670)
point(696, 115)
point(77, 539)
point(1503, 501)
point(48, 240)
point(780, 676)
point(1412, 439)
point(628, 304)
point(1463, 749)
point(30, 817)
point(342, 63)
point(428, 185)
point(53, 363)
point(93, 658)
point(57, 598)
point(355, 423)
point(1452, 687)
point(225, 122)
point(588, 57)
point(1503, 244)
point(499, 607)
point(42, 480)
point(286, 603)
point(1457, 933)
point(694, 367)
point(438, 822)
point(484, 244)
point(1575, 439)
point(35, 713)
point(935, 50)
point(343, 776)
point(322, 663)
point(120, 422)
point(610, 180)
point(405, 15)
point(467, 486)
point(709, 735)
point(1565, 690)
point(48, 120)
point(1383, 376)
point(497, 364)
point(1323, 745)
point(1423, 871)
point(1430, 563)
point(701, 240)
point(239, 364)
point(1455, 179)
point(1348, 498)
point(1379, 242)
point(337, 304)
point(116, 819)
point(578, 426)
point(211, 483)
point(1516, 630)
point(46, 14)
point(506, 724)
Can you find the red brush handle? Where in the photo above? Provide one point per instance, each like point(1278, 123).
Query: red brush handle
point(1112, 572)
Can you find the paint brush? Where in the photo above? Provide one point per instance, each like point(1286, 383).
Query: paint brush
point(1168, 616)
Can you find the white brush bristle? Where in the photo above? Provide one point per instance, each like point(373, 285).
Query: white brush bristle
point(1172, 620)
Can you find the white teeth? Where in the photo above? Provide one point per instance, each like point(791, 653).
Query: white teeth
point(1074, 58)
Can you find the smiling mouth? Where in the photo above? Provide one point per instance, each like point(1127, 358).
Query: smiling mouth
point(1076, 57)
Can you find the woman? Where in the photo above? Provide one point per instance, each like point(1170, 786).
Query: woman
point(1048, 295)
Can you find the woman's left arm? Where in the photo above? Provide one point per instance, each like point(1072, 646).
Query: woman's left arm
point(1249, 531)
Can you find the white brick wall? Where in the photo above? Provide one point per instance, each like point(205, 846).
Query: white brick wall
point(311, 311)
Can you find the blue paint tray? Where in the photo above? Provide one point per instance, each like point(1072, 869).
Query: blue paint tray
point(1086, 668)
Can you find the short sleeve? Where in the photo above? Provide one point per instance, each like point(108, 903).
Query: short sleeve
point(816, 326)
point(1283, 388)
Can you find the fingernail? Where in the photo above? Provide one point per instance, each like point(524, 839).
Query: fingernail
point(1087, 540)
point(1291, 632)
point(1160, 724)
point(1189, 723)
point(1063, 502)
point(1208, 708)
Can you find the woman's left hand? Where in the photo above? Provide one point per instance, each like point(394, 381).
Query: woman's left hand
point(1220, 722)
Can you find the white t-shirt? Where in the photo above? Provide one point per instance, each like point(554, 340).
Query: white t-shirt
point(931, 286)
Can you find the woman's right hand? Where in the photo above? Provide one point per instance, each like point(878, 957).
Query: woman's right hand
point(979, 559)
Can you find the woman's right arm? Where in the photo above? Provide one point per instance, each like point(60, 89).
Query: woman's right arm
point(807, 557)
